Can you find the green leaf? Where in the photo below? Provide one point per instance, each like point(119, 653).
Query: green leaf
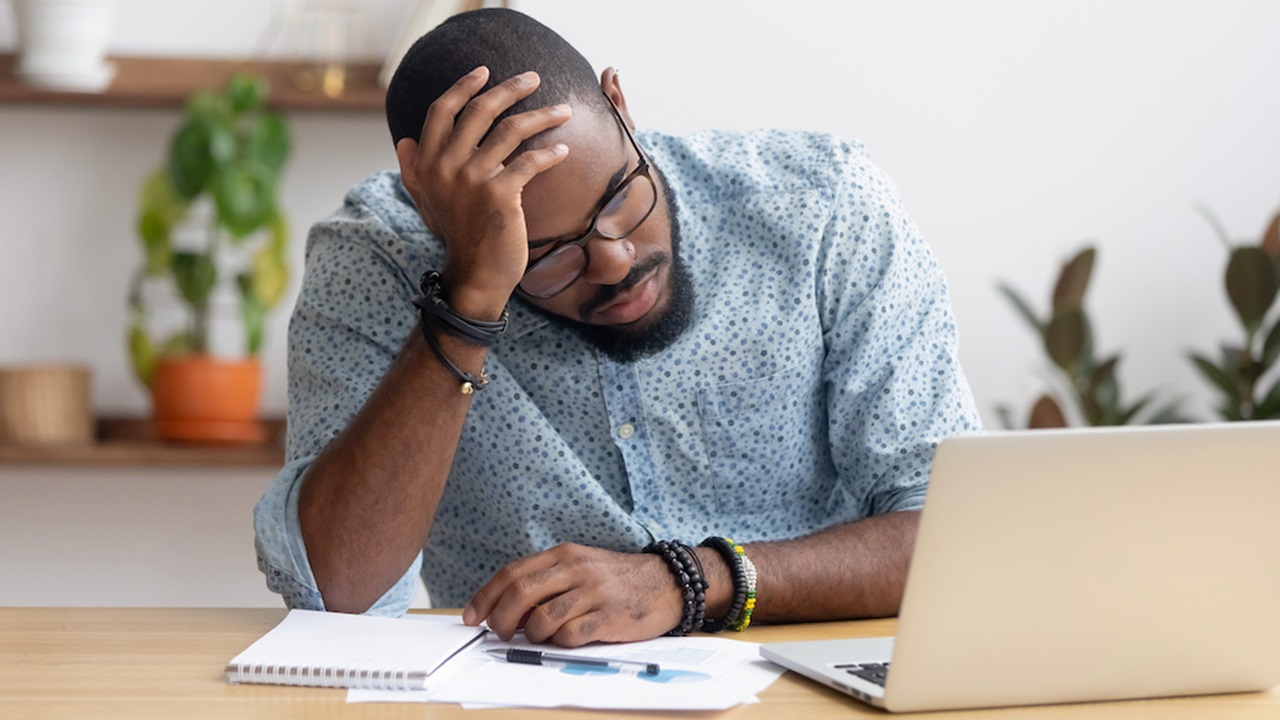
point(245, 198)
point(1046, 413)
point(1271, 346)
point(141, 354)
point(1251, 285)
point(1005, 415)
point(155, 231)
point(1218, 377)
point(1073, 281)
point(1065, 337)
point(1233, 359)
point(246, 91)
point(279, 236)
point(158, 195)
point(1168, 414)
point(1125, 416)
point(178, 344)
point(195, 275)
point(208, 104)
point(1271, 239)
point(1108, 399)
point(1022, 307)
point(160, 208)
point(270, 277)
point(1103, 373)
point(199, 148)
point(1218, 228)
point(268, 143)
point(254, 315)
point(1270, 406)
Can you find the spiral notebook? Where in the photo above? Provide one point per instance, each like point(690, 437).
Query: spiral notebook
point(324, 649)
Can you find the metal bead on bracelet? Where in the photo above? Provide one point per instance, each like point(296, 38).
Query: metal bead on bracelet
point(432, 306)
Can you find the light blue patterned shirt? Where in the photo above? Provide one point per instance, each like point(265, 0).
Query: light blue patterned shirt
point(815, 379)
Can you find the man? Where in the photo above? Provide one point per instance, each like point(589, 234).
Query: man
point(736, 335)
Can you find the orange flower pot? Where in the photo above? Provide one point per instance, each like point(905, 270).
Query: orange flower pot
point(199, 398)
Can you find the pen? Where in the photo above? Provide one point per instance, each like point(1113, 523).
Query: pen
point(536, 657)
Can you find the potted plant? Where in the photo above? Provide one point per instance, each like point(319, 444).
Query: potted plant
point(207, 220)
point(1242, 371)
point(1088, 383)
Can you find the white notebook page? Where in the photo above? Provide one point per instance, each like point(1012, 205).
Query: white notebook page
point(340, 650)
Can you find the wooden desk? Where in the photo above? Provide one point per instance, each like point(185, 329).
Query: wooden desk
point(145, 663)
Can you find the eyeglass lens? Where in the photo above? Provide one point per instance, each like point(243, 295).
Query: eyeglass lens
point(559, 268)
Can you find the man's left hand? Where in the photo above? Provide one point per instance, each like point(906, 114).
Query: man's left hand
point(572, 595)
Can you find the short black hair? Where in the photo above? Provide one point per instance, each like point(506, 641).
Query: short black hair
point(506, 41)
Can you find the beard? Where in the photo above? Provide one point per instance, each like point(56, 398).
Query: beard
point(635, 341)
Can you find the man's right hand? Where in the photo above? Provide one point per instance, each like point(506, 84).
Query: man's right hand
point(467, 192)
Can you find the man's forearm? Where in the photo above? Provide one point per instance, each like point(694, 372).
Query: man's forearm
point(367, 502)
point(854, 570)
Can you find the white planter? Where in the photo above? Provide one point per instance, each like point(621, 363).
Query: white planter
point(64, 42)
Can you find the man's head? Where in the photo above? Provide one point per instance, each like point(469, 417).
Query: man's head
point(633, 296)
point(508, 43)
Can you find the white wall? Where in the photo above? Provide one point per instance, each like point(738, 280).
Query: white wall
point(130, 537)
point(140, 537)
point(1016, 131)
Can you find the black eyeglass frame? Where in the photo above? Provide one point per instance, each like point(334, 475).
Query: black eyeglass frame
point(641, 171)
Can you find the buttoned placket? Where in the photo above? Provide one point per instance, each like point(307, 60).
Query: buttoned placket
point(621, 385)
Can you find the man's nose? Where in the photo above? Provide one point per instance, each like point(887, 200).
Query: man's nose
point(608, 261)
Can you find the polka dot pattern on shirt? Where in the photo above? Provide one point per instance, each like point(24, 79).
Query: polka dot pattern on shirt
point(811, 388)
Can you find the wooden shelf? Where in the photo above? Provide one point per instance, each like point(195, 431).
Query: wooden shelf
point(154, 82)
point(129, 442)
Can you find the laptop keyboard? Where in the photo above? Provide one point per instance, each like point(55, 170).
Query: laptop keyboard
point(871, 672)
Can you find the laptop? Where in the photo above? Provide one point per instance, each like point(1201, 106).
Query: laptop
point(1058, 566)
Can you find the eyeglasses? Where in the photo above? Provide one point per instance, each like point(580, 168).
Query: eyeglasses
point(619, 215)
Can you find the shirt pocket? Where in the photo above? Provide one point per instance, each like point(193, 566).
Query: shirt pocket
point(764, 440)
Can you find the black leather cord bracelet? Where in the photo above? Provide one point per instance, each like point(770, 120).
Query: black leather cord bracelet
point(470, 383)
point(432, 303)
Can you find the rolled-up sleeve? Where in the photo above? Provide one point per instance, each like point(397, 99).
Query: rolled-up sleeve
point(894, 384)
point(351, 319)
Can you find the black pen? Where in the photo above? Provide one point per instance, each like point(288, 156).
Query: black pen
point(537, 657)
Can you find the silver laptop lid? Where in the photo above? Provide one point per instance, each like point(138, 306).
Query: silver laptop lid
point(1077, 565)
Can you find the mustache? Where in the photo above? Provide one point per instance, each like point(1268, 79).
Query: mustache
point(610, 293)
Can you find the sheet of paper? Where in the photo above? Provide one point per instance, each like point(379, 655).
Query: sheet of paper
point(698, 673)
point(332, 644)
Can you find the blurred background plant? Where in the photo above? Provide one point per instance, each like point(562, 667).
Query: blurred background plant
point(1088, 390)
point(1252, 282)
point(225, 159)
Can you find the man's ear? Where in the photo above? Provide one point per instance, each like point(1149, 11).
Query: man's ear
point(612, 87)
point(407, 156)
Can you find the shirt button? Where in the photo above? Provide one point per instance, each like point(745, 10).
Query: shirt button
point(626, 430)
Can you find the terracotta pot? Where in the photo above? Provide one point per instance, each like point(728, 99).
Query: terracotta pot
point(206, 399)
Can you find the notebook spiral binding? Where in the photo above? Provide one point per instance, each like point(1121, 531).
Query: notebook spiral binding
point(362, 679)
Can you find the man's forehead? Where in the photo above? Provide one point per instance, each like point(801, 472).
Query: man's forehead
point(562, 199)
point(586, 129)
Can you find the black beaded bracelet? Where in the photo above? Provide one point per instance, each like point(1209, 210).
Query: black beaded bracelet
point(687, 571)
point(733, 559)
point(432, 303)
